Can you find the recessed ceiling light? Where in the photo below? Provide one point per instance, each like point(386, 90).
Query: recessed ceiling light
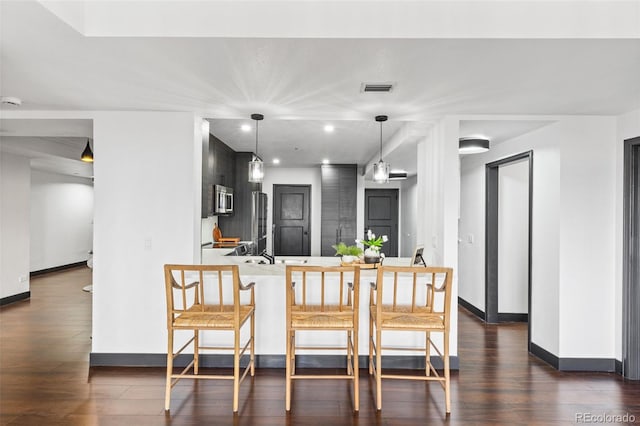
point(329, 128)
point(276, 161)
point(245, 128)
point(325, 161)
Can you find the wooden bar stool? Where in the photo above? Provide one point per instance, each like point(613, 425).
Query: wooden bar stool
point(204, 298)
point(322, 298)
point(416, 299)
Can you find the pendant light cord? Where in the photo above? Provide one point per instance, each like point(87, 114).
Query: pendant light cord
point(381, 141)
point(257, 138)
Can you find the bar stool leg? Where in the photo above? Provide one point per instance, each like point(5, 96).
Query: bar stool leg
point(378, 369)
point(196, 346)
point(236, 369)
point(288, 360)
point(167, 395)
point(253, 344)
point(427, 354)
point(356, 374)
point(370, 345)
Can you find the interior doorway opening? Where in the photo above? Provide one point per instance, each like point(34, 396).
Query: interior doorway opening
point(509, 196)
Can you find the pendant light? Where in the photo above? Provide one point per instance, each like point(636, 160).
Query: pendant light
point(87, 154)
point(473, 145)
point(381, 169)
point(256, 167)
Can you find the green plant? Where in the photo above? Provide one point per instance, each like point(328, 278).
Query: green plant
point(344, 250)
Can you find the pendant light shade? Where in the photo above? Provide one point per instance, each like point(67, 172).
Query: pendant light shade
point(256, 166)
point(87, 154)
point(473, 145)
point(381, 169)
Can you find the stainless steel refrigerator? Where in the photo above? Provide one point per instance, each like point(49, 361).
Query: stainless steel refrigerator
point(258, 222)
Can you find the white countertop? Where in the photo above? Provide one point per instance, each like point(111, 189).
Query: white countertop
point(217, 257)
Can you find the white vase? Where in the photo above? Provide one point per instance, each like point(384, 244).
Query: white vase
point(348, 258)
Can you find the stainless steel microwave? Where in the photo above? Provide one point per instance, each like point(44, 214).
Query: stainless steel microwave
point(222, 200)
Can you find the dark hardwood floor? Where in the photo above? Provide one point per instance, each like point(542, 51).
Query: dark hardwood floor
point(45, 380)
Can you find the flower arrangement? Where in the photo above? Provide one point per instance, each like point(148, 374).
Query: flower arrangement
point(373, 244)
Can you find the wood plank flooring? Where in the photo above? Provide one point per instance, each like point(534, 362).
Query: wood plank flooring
point(45, 380)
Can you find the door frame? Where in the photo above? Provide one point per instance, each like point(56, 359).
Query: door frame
point(630, 266)
point(491, 238)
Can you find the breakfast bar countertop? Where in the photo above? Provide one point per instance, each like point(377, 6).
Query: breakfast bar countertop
point(259, 266)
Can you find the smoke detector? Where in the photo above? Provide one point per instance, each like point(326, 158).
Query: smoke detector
point(10, 100)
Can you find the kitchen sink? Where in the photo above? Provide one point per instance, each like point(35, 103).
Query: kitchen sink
point(256, 261)
point(292, 261)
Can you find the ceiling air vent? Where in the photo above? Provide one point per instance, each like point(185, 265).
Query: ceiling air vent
point(397, 175)
point(377, 87)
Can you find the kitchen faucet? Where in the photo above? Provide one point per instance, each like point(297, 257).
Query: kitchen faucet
point(271, 259)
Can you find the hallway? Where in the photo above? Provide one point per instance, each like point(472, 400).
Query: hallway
point(45, 379)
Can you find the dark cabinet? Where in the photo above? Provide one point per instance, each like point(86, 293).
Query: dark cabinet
point(223, 163)
point(339, 197)
point(238, 224)
point(218, 168)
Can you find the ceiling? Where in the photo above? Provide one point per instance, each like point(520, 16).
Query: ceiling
point(301, 84)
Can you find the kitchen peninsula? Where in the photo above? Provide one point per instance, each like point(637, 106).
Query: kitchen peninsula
point(270, 307)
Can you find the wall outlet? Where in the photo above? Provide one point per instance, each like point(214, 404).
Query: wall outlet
point(23, 279)
point(147, 243)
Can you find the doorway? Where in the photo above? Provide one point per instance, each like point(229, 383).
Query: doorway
point(381, 216)
point(631, 262)
point(291, 220)
point(503, 178)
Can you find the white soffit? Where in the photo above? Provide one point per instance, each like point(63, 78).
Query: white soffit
point(352, 19)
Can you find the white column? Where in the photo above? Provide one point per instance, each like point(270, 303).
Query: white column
point(439, 202)
point(15, 183)
point(147, 213)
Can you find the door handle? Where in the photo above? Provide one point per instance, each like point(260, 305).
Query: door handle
point(306, 233)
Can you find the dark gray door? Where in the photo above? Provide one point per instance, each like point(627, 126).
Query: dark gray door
point(291, 222)
point(381, 216)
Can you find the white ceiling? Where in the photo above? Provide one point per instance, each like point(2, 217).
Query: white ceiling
point(300, 84)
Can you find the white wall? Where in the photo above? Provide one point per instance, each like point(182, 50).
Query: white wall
point(61, 220)
point(573, 233)
point(587, 238)
point(147, 213)
point(15, 177)
point(513, 238)
point(627, 127)
point(296, 176)
point(408, 216)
